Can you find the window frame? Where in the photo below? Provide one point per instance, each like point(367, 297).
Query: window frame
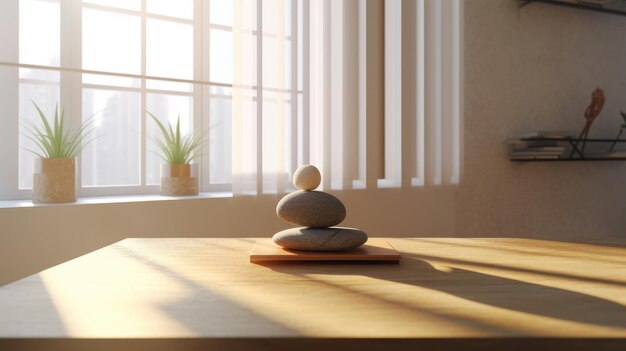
point(71, 87)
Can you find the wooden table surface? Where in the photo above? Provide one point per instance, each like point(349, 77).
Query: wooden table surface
point(445, 294)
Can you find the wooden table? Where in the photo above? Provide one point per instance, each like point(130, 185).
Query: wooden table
point(445, 294)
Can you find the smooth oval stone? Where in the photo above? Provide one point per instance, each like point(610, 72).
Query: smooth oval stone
point(311, 209)
point(320, 239)
point(307, 177)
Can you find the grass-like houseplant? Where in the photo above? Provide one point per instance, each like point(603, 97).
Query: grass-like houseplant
point(178, 175)
point(54, 176)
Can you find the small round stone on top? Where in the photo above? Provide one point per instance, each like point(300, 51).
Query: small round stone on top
point(307, 177)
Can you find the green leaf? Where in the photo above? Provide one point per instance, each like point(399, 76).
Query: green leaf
point(56, 139)
point(176, 148)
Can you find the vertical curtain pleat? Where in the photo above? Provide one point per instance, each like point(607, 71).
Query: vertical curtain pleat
point(442, 155)
point(456, 22)
point(433, 98)
point(446, 91)
point(420, 110)
point(244, 110)
point(361, 155)
point(393, 94)
point(318, 87)
point(351, 83)
point(337, 90)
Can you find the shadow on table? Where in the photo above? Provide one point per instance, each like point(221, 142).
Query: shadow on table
point(510, 294)
point(542, 248)
point(199, 301)
point(27, 298)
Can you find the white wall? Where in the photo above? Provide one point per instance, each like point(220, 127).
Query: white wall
point(534, 69)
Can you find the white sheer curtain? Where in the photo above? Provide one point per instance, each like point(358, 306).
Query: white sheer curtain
point(380, 104)
point(265, 58)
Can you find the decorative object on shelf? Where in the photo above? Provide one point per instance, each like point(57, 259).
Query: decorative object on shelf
point(548, 146)
point(619, 134)
point(533, 146)
point(179, 177)
point(591, 113)
point(605, 6)
point(551, 146)
point(318, 213)
point(54, 176)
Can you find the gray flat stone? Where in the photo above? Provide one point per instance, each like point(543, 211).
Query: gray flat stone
point(311, 209)
point(320, 239)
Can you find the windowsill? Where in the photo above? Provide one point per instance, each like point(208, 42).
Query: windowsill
point(115, 199)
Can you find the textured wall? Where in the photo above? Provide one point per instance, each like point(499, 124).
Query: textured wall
point(534, 69)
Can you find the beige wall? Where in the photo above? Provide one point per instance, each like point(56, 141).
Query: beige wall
point(35, 238)
point(534, 69)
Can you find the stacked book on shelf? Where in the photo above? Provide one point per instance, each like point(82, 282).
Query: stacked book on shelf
point(537, 146)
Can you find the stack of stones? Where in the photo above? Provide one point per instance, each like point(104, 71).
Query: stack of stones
point(317, 212)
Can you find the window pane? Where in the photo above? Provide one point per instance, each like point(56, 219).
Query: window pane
point(177, 8)
point(218, 90)
point(167, 108)
point(169, 49)
point(220, 146)
point(39, 32)
point(46, 96)
point(116, 49)
point(221, 12)
point(100, 79)
point(124, 4)
point(40, 74)
point(113, 157)
point(221, 61)
point(169, 86)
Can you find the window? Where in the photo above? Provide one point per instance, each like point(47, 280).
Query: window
point(274, 83)
point(39, 23)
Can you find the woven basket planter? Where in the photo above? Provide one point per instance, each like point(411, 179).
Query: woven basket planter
point(179, 179)
point(54, 180)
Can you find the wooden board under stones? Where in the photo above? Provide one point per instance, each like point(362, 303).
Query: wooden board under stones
point(373, 250)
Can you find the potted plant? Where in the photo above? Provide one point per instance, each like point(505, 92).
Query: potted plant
point(179, 177)
point(54, 176)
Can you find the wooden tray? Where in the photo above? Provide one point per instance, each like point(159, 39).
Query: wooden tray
point(374, 250)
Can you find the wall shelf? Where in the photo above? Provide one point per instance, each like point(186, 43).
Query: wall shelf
point(575, 154)
point(614, 7)
point(574, 159)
